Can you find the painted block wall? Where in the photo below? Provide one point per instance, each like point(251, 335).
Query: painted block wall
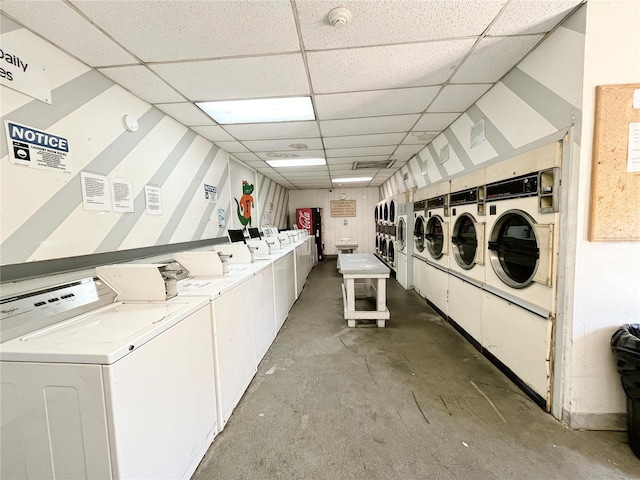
point(42, 216)
point(552, 91)
point(360, 228)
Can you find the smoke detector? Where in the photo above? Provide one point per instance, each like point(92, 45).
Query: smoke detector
point(339, 17)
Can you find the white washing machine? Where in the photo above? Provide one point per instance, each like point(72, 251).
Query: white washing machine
point(404, 243)
point(419, 248)
point(93, 388)
point(519, 302)
point(466, 266)
point(437, 242)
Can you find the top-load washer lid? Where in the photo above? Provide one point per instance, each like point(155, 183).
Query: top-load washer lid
point(102, 336)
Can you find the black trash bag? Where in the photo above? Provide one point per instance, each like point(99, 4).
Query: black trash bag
point(625, 343)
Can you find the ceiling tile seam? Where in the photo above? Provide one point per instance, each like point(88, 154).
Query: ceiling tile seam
point(305, 61)
point(394, 44)
point(217, 59)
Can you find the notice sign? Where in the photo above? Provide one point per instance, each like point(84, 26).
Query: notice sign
point(36, 148)
point(210, 193)
point(122, 195)
point(343, 208)
point(95, 192)
point(25, 76)
point(152, 198)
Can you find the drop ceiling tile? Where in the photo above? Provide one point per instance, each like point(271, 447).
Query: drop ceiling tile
point(409, 149)
point(289, 154)
point(237, 78)
point(170, 30)
point(401, 159)
point(268, 131)
point(369, 125)
point(364, 140)
point(360, 152)
point(341, 167)
point(66, 28)
point(213, 133)
point(525, 16)
point(419, 138)
point(350, 160)
point(232, 147)
point(250, 157)
point(458, 98)
point(186, 113)
point(283, 145)
point(378, 68)
point(493, 57)
point(302, 170)
point(375, 103)
point(390, 21)
point(435, 121)
point(143, 83)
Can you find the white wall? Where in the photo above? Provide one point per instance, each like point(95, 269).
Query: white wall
point(360, 228)
point(606, 285)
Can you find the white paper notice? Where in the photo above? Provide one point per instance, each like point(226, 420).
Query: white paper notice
point(477, 134)
point(636, 98)
point(152, 199)
point(95, 192)
point(633, 155)
point(122, 195)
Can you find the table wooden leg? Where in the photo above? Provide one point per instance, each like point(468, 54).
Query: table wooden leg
point(381, 300)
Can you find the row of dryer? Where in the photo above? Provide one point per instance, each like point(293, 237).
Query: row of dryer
point(484, 255)
point(385, 220)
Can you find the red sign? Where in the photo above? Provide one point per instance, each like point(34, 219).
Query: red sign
point(303, 219)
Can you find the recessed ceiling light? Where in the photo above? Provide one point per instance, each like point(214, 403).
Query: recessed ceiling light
point(297, 162)
point(259, 110)
point(351, 179)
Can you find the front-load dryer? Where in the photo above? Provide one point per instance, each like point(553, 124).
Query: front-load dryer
point(404, 245)
point(392, 211)
point(437, 242)
point(519, 299)
point(466, 266)
point(419, 248)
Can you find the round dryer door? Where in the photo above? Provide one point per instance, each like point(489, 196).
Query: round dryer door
point(418, 233)
point(465, 241)
point(385, 212)
point(391, 252)
point(383, 248)
point(377, 243)
point(435, 237)
point(402, 234)
point(375, 214)
point(392, 211)
point(514, 248)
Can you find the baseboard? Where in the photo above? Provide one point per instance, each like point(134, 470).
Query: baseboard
point(595, 421)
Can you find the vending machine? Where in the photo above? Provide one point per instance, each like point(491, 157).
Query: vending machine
point(310, 219)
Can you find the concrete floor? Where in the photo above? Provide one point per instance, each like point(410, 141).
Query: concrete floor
point(411, 401)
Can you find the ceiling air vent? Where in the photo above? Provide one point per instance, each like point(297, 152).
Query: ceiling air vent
point(365, 165)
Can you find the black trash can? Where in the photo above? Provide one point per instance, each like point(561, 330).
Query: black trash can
point(625, 343)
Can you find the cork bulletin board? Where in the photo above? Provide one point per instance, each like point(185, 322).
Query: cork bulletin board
point(343, 208)
point(615, 177)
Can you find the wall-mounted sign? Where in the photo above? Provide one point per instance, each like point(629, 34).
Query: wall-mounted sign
point(25, 76)
point(477, 134)
point(152, 200)
point(343, 208)
point(95, 192)
point(36, 148)
point(122, 195)
point(210, 193)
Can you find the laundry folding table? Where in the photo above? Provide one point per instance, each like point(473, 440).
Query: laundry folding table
point(364, 266)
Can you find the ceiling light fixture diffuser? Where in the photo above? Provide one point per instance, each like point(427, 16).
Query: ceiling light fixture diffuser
point(259, 110)
point(297, 162)
point(352, 179)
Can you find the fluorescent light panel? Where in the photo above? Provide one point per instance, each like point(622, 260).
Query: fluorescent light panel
point(351, 179)
point(259, 110)
point(297, 162)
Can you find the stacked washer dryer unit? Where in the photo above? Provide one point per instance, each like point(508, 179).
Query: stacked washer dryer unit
point(437, 243)
point(419, 257)
point(391, 234)
point(404, 244)
point(519, 302)
point(467, 263)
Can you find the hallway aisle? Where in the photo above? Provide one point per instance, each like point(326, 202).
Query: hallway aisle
point(413, 400)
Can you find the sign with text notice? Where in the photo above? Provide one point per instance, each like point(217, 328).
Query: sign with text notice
point(36, 148)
